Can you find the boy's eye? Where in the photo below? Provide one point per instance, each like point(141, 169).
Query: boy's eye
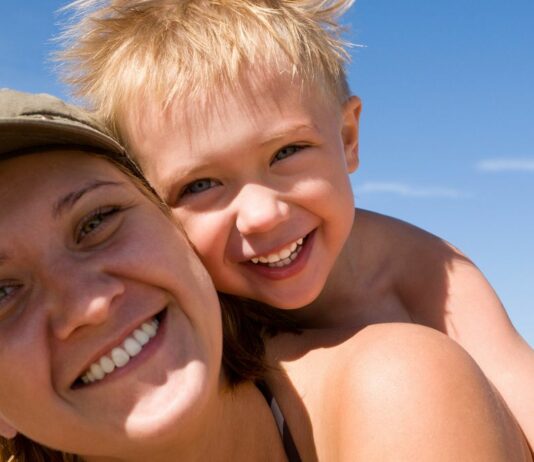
point(95, 220)
point(286, 152)
point(199, 186)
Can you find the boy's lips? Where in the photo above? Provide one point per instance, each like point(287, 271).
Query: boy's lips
point(120, 355)
point(281, 258)
point(286, 262)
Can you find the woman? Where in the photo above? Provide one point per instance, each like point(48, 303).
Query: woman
point(110, 334)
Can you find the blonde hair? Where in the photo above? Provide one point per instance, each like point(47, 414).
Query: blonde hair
point(115, 51)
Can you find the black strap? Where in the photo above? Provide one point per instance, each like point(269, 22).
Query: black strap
point(287, 439)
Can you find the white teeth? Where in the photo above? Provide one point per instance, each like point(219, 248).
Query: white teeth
point(121, 355)
point(282, 258)
point(107, 364)
point(285, 253)
point(132, 347)
point(149, 329)
point(273, 258)
point(141, 337)
point(97, 371)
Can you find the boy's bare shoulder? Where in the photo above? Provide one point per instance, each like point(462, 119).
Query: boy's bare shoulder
point(438, 286)
point(401, 237)
point(431, 277)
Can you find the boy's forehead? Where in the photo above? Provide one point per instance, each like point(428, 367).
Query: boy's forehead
point(255, 94)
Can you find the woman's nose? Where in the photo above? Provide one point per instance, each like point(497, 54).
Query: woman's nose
point(259, 210)
point(84, 297)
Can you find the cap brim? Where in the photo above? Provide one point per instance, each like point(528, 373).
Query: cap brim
point(27, 133)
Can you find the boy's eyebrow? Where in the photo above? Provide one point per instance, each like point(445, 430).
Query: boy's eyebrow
point(67, 202)
point(168, 181)
point(285, 132)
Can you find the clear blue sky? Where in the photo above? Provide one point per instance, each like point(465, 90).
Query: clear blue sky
point(447, 137)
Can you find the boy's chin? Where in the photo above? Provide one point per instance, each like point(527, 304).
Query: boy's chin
point(290, 299)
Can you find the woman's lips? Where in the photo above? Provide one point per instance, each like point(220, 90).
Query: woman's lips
point(120, 356)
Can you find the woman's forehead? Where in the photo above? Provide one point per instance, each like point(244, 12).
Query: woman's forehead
point(66, 165)
point(36, 181)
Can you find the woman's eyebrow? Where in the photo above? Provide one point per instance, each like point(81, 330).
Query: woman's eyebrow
point(67, 202)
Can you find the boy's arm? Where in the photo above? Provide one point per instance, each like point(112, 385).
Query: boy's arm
point(477, 320)
point(437, 286)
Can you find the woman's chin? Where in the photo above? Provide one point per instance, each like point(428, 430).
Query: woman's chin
point(175, 404)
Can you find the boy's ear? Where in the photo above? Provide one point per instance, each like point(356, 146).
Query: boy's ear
point(350, 131)
point(6, 430)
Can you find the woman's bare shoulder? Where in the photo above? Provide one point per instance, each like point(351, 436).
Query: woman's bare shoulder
point(392, 389)
point(423, 394)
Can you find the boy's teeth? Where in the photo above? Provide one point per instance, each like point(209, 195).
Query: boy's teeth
point(120, 356)
point(285, 253)
point(273, 258)
point(281, 258)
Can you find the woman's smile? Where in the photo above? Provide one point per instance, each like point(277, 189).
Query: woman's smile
point(120, 355)
point(114, 325)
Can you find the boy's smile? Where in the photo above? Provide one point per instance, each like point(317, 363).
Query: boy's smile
point(259, 180)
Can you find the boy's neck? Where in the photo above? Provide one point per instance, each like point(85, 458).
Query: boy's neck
point(357, 292)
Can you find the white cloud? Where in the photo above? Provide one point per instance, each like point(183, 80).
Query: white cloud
point(506, 165)
point(401, 189)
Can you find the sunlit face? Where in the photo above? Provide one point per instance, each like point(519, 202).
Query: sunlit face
point(91, 269)
point(259, 182)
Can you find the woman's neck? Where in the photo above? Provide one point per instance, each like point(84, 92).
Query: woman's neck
point(238, 426)
point(247, 430)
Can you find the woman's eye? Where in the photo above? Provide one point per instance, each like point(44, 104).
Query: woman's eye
point(286, 152)
point(6, 291)
point(95, 220)
point(199, 186)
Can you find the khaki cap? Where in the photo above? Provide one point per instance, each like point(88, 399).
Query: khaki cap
point(29, 121)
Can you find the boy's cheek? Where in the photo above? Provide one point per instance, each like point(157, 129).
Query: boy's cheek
point(203, 230)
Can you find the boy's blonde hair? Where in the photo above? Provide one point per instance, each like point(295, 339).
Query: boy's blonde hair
point(116, 51)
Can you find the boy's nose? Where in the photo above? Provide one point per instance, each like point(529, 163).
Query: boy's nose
point(259, 209)
point(84, 298)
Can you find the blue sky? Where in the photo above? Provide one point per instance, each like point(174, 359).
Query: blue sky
point(447, 141)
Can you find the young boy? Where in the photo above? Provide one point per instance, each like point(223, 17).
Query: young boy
point(239, 113)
